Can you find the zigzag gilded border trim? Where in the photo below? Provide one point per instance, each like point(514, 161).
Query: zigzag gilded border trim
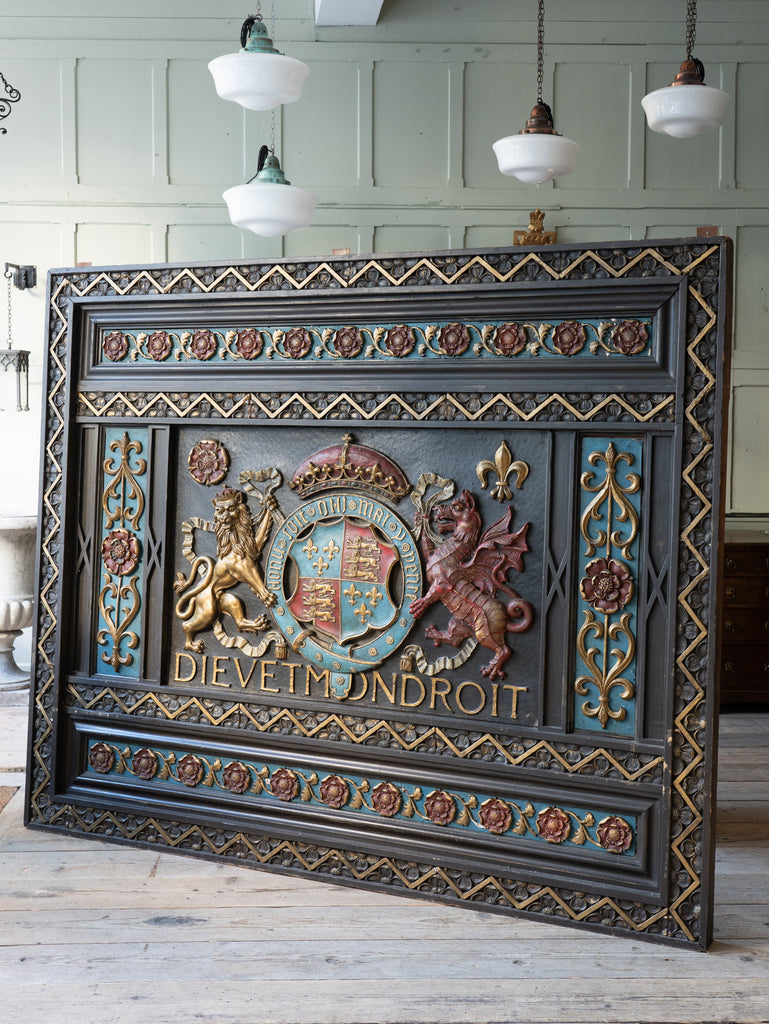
point(234, 279)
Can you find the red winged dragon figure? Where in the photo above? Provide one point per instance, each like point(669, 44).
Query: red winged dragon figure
point(466, 571)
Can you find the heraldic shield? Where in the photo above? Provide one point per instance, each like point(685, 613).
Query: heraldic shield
point(344, 570)
point(344, 578)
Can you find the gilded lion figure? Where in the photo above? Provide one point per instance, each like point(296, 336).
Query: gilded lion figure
point(204, 593)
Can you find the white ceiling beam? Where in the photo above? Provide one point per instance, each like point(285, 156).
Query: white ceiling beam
point(347, 12)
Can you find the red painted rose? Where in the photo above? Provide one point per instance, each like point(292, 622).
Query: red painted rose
point(509, 339)
point(553, 824)
point(630, 337)
point(208, 462)
point(440, 807)
point(496, 815)
point(386, 799)
point(158, 346)
point(348, 342)
point(248, 343)
point(569, 337)
point(190, 770)
point(120, 552)
point(399, 341)
point(453, 339)
point(115, 346)
point(614, 834)
point(297, 342)
point(334, 791)
point(236, 777)
point(144, 763)
point(284, 784)
point(203, 345)
point(608, 585)
point(101, 757)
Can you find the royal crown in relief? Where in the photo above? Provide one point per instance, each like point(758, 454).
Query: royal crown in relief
point(350, 465)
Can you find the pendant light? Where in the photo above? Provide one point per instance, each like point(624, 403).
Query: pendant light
point(537, 153)
point(688, 107)
point(269, 205)
point(259, 77)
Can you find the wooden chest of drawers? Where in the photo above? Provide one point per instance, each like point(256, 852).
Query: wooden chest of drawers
point(744, 615)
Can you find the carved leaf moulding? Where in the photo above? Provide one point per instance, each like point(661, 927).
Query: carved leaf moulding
point(680, 920)
point(518, 817)
point(501, 339)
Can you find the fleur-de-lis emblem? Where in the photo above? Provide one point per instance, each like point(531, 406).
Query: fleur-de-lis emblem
point(363, 613)
point(352, 593)
point(320, 566)
point(331, 549)
point(310, 549)
point(374, 596)
point(503, 466)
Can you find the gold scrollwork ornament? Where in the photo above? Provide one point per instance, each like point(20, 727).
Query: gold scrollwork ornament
point(117, 628)
point(611, 492)
point(124, 487)
point(605, 677)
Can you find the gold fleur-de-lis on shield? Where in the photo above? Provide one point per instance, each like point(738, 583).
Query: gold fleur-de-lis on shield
point(351, 593)
point(320, 566)
point(331, 549)
point(309, 548)
point(363, 613)
point(503, 466)
point(374, 596)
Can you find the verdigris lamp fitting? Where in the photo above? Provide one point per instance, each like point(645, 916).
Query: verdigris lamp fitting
point(259, 77)
point(269, 205)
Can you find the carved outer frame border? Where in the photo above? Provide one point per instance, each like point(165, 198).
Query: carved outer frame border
point(705, 266)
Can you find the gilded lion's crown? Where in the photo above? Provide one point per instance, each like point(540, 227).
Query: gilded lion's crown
point(226, 494)
point(353, 466)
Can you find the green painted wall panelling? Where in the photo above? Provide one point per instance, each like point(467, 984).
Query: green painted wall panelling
point(119, 149)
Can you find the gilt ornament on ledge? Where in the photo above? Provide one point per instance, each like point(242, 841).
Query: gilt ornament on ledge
point(535, 233)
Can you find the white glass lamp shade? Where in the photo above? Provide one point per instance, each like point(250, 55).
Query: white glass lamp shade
point(258, 81)
point(535, 158)
point(269, 209)
point(684, 111)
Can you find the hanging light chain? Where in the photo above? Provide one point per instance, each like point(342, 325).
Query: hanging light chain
point(272, 118)
point(258, 15)
point(8, 276)
point(691, 26)
point(540, 47)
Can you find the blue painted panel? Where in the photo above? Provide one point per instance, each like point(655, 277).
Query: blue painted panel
point(560, 339)
point(121, 584)
point(610, 522)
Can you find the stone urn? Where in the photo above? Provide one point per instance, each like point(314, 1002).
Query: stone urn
point(18, 535)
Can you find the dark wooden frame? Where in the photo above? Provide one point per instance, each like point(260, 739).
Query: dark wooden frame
point(664, 773)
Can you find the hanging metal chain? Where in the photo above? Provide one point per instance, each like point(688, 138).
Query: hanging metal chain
point(9, 276)
point(272, 118)
point(691, 26)
point(258, 15)
point(540, 48)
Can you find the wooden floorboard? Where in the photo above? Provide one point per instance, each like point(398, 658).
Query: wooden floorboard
point(95, 933)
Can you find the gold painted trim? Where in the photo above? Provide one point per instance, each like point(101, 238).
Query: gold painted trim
point(89, 400)
point(352, 733)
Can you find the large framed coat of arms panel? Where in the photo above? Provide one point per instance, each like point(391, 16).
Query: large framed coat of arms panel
point(398, 571)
